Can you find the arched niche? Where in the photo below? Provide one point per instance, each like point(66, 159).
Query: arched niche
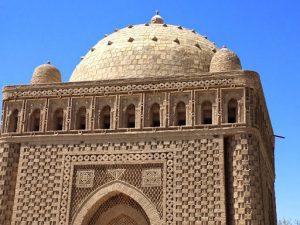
point(155, 115)
point(92, 203)
point(118, 213)
point(105, 118)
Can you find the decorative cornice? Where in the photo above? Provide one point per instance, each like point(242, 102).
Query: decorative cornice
point(242, 78)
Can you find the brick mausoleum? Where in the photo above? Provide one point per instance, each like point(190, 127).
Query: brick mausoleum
point(157, 126)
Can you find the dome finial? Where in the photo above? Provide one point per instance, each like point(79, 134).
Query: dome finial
point(49, 62)
point(157, 19)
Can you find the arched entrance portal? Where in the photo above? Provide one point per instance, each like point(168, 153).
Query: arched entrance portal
point(118, 210)
point(117, 203)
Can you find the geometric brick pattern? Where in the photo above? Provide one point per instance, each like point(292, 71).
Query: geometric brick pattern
point(9, 158)
point(39, 185)
point(201, 173)
point(151, 177)
point(191, 183)
point(131, 175)
point(193, 178)
point(85, 178)
point(166, 129)
point(198, 180)
point(198, 166)
point(123, 220)
point(111, 87)
point(246, 195)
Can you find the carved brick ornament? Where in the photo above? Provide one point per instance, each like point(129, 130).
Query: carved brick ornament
point(151, 178)
point(85, 179)
point(116, 173)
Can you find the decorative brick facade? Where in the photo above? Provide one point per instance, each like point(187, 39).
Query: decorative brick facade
point(99, 151)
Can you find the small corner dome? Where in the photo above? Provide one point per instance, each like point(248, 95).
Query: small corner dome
point(46, 73)
point(225, 60)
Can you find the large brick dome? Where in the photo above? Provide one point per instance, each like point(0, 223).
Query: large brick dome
point(139, 51)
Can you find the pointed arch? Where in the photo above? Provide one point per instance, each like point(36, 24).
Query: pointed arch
point(13, 121)
point(81, 119)
point(180, 113)
point(35, 120)
point(155, 115)
point(105, 118)
point(117, 211)
point(103, 193)
point(130, 116)
point(58, 119)
point(206, 112)
point(232, 111)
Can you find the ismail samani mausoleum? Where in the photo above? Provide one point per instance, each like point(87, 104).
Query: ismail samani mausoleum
point(156, 126)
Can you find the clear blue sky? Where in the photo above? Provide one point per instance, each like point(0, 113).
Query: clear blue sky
point(264, 33)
